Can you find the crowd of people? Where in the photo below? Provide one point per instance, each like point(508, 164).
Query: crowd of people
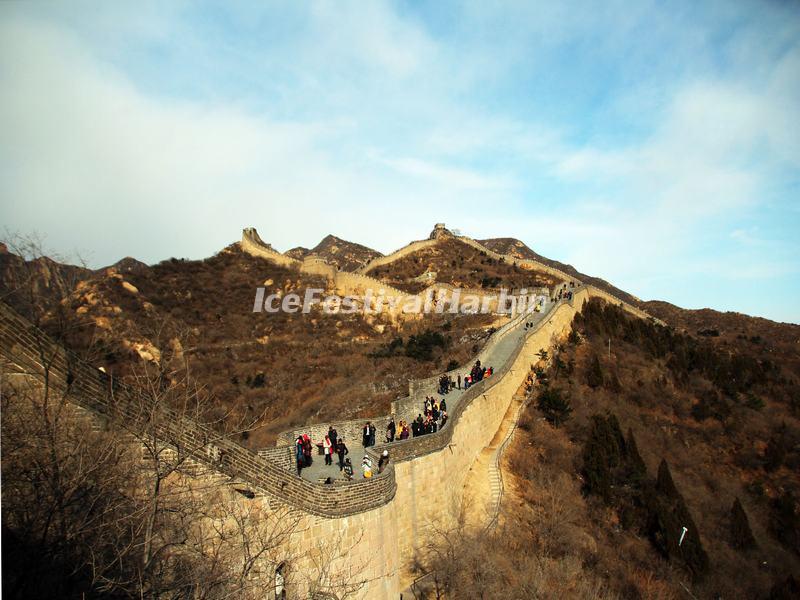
point(333, 444)
point(564, 293)
point(478, 373)
point(432, 418)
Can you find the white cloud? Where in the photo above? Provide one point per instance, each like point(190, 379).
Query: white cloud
point(362, 120)
point(448, 177)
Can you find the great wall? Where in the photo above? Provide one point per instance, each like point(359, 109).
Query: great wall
point(382, 520)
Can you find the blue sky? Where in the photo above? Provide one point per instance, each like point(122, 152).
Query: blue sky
point(655, 145)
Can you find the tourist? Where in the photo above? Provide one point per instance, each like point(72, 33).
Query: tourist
point(444, 419)
point(404, 431)
point(348, 469)
point(366, 466)
point(459, 381)
point(391, 429)
point(342, 451)
point(307, 454)
point(428, 427)
point(442, 405)
point(327, 449)
point(372, 431)
point(334, 435)
point(383, 461)
point(365, 435)
point(299, 456)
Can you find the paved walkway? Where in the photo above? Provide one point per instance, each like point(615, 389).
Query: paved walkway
point(496, 356)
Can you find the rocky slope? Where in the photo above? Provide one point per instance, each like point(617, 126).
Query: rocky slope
point(452, 262)
point(619, 451)
point(290, 368)
point(517, 248)
point(348, 256)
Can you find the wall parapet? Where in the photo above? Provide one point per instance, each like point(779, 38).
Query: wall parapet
point(402, 450)
point(253, 244)
point(345, 282)
point(411, 448)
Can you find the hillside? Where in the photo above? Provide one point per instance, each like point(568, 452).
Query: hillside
point(618, 451)
point(348, 256)
point(292, 368)
point(452, 262)
point(39, 281)
point(724, 420)
point(517, 248)
point(694, 425)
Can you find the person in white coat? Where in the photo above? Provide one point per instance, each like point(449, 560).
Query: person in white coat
point(327, 448)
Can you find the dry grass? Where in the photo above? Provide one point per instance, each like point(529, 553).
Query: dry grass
point(292, 368)
point(460, 265)
point(712, 461)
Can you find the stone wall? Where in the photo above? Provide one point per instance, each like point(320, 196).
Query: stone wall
point(409, 248)
point(380, 521)
point(356, 283)
point(253, 244)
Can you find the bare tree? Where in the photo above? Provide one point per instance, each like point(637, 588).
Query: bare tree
point(332, 575)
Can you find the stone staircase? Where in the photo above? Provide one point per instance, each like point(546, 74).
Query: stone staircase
point(495, 470)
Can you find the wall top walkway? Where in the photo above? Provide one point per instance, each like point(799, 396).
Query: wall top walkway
point(501, 356)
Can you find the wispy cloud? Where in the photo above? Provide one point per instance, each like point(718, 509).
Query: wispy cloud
point(630, 141)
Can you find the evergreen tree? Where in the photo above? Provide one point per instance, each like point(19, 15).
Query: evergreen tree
point(664, 483)
point(602, 455)
point(788, 589)
point(741, 534)
point(775, 452)
point(785, 521)
point(613, 383)
point(668, 518)
point(618, 441)
point(594, 375)
point(596, 472)
point(555, 408)
point(637, 470)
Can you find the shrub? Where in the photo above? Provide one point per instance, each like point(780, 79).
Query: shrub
point(754, 402)
point(256, 382)
point(555, 408)
point(420, 347)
